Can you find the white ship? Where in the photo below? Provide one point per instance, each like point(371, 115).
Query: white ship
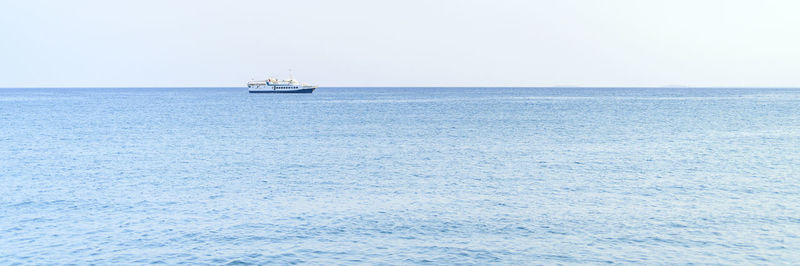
point(272, 85)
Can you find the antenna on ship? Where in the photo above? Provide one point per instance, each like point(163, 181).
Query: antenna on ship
point(291, 77)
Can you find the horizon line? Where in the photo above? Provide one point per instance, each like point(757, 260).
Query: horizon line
point(395, 86)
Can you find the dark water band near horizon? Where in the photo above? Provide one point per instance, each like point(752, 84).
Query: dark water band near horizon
point(400, 176)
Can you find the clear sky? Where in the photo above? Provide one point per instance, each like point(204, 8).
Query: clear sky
point(400, 43)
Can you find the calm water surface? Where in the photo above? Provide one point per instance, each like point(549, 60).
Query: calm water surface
point(400, 176)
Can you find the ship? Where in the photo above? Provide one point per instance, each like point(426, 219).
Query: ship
point(272, 85)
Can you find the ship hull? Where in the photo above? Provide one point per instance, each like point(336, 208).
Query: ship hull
point(284, 91)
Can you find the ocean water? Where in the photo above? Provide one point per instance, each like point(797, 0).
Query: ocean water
point(400, 176)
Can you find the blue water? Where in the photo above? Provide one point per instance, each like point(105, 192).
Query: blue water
point(400, 176)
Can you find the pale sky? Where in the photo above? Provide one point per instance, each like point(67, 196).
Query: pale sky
point(81, 43)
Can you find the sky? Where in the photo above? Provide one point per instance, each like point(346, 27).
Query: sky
point(630, 43)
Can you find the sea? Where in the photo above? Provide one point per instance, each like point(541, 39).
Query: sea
point(391, 176)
